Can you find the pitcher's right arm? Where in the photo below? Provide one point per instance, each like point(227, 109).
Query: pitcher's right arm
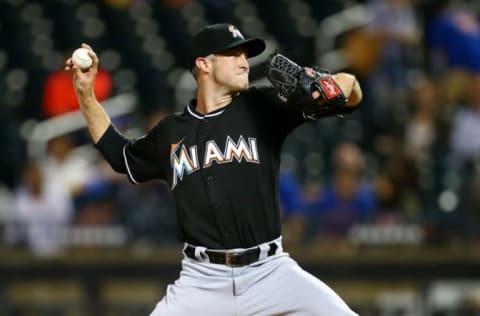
point(104, 135)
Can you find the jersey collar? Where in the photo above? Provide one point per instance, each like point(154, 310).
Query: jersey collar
point(191, 110)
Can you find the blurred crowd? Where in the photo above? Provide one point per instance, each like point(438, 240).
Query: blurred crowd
point(403, 169)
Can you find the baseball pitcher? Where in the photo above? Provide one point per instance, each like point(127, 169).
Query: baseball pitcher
point(221, 159)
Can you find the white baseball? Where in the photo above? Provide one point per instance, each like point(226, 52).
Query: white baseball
point(81, 59)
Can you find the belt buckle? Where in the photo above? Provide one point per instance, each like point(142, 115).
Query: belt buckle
point(233, 259)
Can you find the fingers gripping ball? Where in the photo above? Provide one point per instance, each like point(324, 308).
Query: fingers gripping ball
point(296, 84)
point(81, 59)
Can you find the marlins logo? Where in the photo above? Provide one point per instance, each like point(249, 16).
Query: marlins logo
point(185, 161)
point(235, 32)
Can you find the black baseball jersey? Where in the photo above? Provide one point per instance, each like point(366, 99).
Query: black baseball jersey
point(222, 167)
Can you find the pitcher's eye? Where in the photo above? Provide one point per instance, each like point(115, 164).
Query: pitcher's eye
point(237, 52)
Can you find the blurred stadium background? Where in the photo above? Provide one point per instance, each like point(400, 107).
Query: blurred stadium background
point(383, 205)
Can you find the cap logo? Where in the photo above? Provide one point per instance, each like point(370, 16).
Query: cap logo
point(235, 32)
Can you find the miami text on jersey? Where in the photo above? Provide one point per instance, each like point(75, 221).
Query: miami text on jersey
point(186, 161)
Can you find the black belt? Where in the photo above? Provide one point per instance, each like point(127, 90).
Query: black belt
point(234, 258)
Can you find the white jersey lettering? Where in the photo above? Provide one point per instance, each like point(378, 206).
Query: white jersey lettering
point(212, 153)
point(183, 161)
point(241, 150)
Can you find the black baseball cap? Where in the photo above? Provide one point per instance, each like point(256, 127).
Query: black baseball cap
point(217, 38)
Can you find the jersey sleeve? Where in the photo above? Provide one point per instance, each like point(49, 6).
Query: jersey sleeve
point(282, 118)
point(287, 117)
point(142, 158)
point(138, 158)
point(110, 146)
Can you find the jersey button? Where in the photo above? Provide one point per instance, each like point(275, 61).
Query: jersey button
point(216, 205)
point(226, 232)
point(209, 178)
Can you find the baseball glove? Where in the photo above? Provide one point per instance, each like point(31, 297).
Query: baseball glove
point(295, 84)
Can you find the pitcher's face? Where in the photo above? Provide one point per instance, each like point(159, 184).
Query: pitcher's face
point(230, 69)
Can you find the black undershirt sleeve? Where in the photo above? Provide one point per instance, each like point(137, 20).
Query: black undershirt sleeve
point(111, 146)
point(286, 118)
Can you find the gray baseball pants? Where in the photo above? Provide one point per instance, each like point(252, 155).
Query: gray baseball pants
point(272, 286)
